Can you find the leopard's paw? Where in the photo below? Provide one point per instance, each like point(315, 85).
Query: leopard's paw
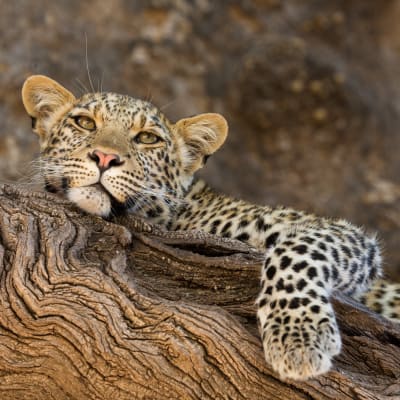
point(299, 363)
point(300, 347)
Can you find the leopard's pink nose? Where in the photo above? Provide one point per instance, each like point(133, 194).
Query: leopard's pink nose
point(105, 161)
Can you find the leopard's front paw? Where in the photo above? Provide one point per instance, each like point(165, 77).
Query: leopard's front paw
point(300, 345)
point(297, 361)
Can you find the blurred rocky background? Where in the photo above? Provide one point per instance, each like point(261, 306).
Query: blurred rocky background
point(309, 89)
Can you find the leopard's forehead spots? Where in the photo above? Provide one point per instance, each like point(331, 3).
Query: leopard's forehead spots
point(127, 111)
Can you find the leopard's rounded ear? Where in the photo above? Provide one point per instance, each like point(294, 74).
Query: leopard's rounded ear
point(42, 96)
point(202, 135)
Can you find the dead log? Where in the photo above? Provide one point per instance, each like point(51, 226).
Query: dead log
point(91, 309)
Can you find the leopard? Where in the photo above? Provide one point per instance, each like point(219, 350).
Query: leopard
point(110, 153)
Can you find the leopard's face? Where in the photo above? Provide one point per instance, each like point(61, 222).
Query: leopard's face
point(108, 152)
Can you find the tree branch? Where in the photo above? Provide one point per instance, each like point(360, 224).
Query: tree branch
point(91, 309)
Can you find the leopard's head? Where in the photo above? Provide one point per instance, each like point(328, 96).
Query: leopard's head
point(109, 152)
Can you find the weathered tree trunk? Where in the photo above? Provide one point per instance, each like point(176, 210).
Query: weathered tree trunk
point(94, 310)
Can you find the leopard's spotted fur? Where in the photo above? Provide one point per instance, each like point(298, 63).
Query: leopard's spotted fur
point(95, 153)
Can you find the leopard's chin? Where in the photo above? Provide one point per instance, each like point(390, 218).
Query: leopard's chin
point(93, 199)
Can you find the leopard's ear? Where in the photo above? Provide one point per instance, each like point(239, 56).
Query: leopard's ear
point(202, 135)
point(43, 98)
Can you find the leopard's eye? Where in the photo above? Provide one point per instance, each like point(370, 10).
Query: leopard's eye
point(147, 138)
point(85, 122)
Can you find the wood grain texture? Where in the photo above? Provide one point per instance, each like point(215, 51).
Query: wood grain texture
point(91, 309)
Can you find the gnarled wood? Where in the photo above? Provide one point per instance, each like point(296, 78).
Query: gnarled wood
point(96, 310)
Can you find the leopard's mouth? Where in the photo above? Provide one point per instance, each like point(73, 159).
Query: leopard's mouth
point(95, 199)
point(117, 207)
point(98, 186)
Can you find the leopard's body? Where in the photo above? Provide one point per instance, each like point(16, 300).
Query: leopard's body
point(107, 152)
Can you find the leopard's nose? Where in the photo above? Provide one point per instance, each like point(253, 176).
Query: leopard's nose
point(105, 161)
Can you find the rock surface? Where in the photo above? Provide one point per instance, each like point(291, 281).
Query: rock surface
point(309, 90)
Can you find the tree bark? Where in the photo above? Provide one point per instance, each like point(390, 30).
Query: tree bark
point(91, 309)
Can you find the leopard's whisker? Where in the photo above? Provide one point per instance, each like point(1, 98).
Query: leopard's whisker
point(87, 63)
